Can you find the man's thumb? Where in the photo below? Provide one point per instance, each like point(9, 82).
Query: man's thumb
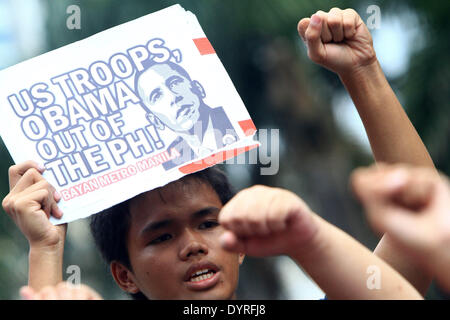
point(316, 49)
point(27, 293)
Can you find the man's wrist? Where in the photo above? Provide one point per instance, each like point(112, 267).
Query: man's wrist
point(45, 266)
point(368, 72)
point(315, 247)
point(55, 250)
point(53, 242)
point(48, 247)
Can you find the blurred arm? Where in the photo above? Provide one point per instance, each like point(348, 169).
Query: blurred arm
point(341, 267)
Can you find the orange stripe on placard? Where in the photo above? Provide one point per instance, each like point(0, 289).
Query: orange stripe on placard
point(214, 159)
point(204, 46)
point(248, 127)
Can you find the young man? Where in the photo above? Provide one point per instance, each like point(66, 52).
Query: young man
point(412, 205)
point(340, 41)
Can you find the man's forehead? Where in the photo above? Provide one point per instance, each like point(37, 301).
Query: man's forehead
point(157, 73)
point(178, 198)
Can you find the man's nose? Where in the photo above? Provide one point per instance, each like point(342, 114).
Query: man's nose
point(193, 245)
point(177, 99)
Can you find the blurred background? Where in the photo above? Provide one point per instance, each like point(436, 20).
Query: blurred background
point(321, 137)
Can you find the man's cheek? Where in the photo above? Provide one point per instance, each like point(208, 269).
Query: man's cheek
point(166, 116)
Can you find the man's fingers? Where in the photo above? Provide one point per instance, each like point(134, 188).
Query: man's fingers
point(410, 188)
point(82, 292)
point(254, 246)
point(55, 211)
point(48, 293)
point(230, 242)
point(89, 293)
point(326, 32)
point(239, 227)
point(326, 35)
point(65, 290)
point(27, 293)
point(41, 196)
point(30, 177)
point(275, 221)
point(316, 49)
point(404, 228)
point(335, 23)
point(302, 26)
point(69, 291)
point(17, 171)
point(373, 185)
point(419, 189)
point(349, 20)
point(40, 191)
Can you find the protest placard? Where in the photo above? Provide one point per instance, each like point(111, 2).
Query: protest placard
point(124, 111)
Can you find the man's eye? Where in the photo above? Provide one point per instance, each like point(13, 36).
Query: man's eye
point(174, 82)
point(209, 224)
point(161, 238)
point(155, 95)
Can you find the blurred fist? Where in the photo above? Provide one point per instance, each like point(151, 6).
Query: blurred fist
point(62, 291)
point(263, 221)
point(338, 40)
point(30, 203)
point(413, 206)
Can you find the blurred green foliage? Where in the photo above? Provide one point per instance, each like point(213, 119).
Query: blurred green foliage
point(258, 44)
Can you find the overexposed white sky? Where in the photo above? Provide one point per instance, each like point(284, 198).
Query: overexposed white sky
point(22, 30)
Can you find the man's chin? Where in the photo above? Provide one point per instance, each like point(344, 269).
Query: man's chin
point(185, 125)
point(191, 122)
point(215, 290)
point(209, 295)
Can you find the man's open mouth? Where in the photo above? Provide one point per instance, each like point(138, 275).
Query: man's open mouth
point(202, 275)
point(200, 272)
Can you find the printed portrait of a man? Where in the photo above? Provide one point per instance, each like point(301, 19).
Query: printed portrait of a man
point(173, 100)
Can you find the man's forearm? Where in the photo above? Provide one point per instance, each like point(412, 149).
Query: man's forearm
point(339, 265)
point(392, 136)
point(45, 266)
point(393, 139)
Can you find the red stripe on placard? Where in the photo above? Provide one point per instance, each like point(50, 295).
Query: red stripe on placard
point(204, 46)
point(248, 127)
point(214, 159)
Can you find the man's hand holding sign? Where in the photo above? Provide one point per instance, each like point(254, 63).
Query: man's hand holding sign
point(30, 203)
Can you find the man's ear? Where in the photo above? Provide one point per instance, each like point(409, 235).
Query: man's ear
point(154, 120)
point(241, 258)
point(123, 277)
point(198, 89)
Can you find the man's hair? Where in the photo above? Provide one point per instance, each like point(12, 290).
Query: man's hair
point(110, 227)
point(147, 64)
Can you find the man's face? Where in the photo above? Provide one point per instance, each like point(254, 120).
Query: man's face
point(170, 97)
point(173, 244)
